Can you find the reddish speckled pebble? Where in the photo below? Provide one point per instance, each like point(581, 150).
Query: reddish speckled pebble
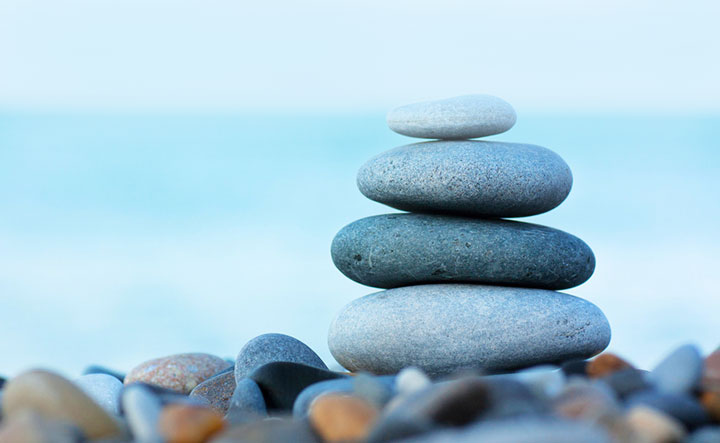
point(180, 372)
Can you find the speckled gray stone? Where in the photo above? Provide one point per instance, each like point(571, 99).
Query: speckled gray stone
point(387, 251)
point(268, 348)
point(104, 389)
point(478, 178)
point(447, 327)
point(456, 118)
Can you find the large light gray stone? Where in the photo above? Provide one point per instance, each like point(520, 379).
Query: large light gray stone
point(479, 178)
point(456, 118)
point(392, 250)
point(448, 327)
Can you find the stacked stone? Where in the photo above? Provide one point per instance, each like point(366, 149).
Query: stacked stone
point(465, 288)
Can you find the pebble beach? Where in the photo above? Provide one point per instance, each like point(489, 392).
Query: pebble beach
point(471, 336)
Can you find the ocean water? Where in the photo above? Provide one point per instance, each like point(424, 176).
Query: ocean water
point(128, 237)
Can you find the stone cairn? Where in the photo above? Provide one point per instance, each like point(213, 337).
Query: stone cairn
point(465, 288)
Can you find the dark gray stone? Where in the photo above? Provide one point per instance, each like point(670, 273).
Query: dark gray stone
point(393, 250)
point(445, 328)
point(680, 372)
point(246, 404)
point(456, 118)
point(628, 381)
point(478, 178)
point(681, 406)
point(268, 348)
point(511, 398)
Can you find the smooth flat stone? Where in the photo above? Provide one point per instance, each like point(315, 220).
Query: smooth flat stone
point(342, 418)
point(180, 372)
point(217, 390)
point(680, 372)
point(268, 348)
point(392, 250)
point(189, 424)
point(104, 389)
point(477, 178)
point(456, 118)
point(281, 382)
point(56, 398)
point(247, 403)
point(445, 328)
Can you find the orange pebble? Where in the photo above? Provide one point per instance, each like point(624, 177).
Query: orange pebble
point(606, 364)
point(342, 418)
point(189, 424)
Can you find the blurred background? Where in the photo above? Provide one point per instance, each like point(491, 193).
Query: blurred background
point(172, 172)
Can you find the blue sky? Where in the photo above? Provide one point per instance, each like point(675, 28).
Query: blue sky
point(644, 55)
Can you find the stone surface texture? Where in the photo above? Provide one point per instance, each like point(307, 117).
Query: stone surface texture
point(216, 391)
point(463, 117)
point(393, 250)
point(268, 348)
point(444, 328)
point(180, 372)
point(104, 389)
point(477, 178)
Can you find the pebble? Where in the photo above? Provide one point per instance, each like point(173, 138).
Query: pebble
point(217, 390)
point(393, 250)
point(709, 434)
point(180, 372)
point(605, 364)
point(711, 372)
point(342, 418)
point(410, 380)
point(142, 409)
point(521, 430)
point(575, 367)
point(652, 426)
point(57, 398)
point(545, 381)
point(511, 398)
point(445, 328)
point(97, 369)
point(680, 372)
point(346, 385)
point(189, 424)
point(27, 426)
point(104, 389)
point(268, 348)
point(711, 402)
point(627, 381)
point(247, 403)
point(477, 178)
point(281, 382)
point(581, 399)
point(683, 407)
point(268, 431)
point(463, 117)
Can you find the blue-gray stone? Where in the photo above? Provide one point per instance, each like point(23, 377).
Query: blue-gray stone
point(680, 406)
point(708, 434)
point(104, 389)
point(246, 404)
point(680, 372)
point(448, 327)
point(268, 348)
point(478, 178)
point(520, 430)
point(142, 410)
point(456, 118)
point(392, 250)
point(301, 407)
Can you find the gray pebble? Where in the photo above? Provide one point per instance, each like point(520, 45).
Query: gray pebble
point(478, 178)
point(445, 328)
point(142, 410)
point(301, 407)
point(246, 404)
point(680, 372)
point(466, 116)
point(268, 348)
point(393, 250)
point(104, 389)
